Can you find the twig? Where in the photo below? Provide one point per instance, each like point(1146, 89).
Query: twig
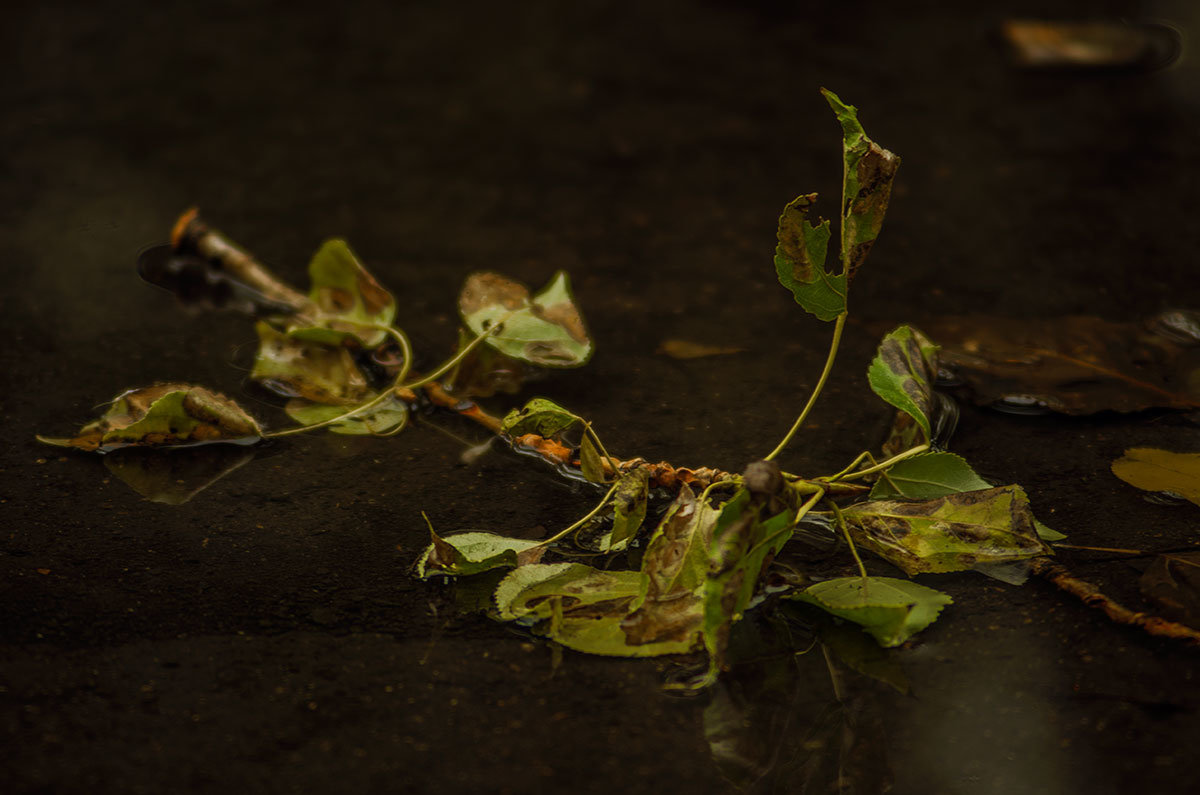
point(1092, 597)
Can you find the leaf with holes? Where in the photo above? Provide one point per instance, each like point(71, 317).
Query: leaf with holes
point(800, 261)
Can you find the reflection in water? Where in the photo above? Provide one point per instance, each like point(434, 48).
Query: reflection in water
point(792, 715)
point(173, 475)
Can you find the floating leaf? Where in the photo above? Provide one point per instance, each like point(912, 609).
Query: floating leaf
point(891, 610)
point(541, 416)
point(301, 368)
point(629, 506)
point(1151, 469)
point(388, 417)
point(590, 462)
point(348, 295)
point(903, 372)
point(800, 261)
point(1072, 365)
point(927, 476)
point(546, 330)
point(472, 552)
point(579, 607)
point(674, 570)
point(1173, 583)
point(163, 415)
point(868, 173)
point(685, 349)
point(950, 533)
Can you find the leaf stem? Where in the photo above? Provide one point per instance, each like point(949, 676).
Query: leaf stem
point(841, 523)
point(581, 522)
point(612, 462)
point(453, 361)
point(833, 349)
point(880, 466)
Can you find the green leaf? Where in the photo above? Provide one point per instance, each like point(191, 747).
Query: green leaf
point(580, 607)
point(950, 533)
point(927, 476)
point(388, 417)
point(903, 372)
point(472, 552)
point(1152, 469)
point(541, 416)
point(546, 330)
point(296, 367)
point(868, 173)
point(674, 570)
point(800, 261)
point(348, 297)
point(590, 461)
point(629, 506)
point(891, 610)
point(164, 415)
point(1047, 534)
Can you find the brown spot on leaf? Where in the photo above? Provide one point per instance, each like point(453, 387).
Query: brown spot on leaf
point(488, 289)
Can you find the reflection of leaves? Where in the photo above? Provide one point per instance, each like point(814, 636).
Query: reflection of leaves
point(1151, 469)
point(163, 415)
point(903, 372)
point(301, 368)
point(473, 552)
point(388, 417)
point(1073, 365)
point(541, 416)
point(486, 371)
point(852, 646)
point(891, 610)
point(174, 475)
point(950, 533)
point(927, 476)
point(199, 283)
point(1173, 583)
point(546, 330)
point(580, 607)
point(868, 173)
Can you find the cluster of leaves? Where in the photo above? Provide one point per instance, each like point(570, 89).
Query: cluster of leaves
point(705, 562)
point(342, 363)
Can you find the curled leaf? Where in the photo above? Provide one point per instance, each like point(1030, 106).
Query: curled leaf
point(472, 552)
point(546, 330)
point(903, 373)
point(163, 415)
point(951, 533)
point(541, 416)
point(800, 261)
point(348, 298)
point(889, 609)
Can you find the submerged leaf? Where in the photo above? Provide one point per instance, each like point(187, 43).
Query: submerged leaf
point(924, 477)
point(472, 552)
point(1151, 469)
point(1072, 365)
point(348, 295)
point(541, 416)
point(868, 174)
point(800, 261)
point(891, 610)
point(903, 373)
point(164, 415)
point(950, 533)
point(297, 367)
point(388, 417)
point(546, 330)
point(1173, 583)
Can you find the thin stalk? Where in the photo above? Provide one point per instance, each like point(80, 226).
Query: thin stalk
point(564, 533)
point(405, 351)
point(453, 361)
point(833, 349)
point(612, 462)
point(841, 523)
point(882, 465)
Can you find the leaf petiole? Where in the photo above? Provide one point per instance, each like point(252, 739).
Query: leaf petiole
point(812, 399)
point(883, 465)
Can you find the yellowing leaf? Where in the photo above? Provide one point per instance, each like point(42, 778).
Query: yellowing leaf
point(348, 297)
point(472, 552)
point(298, 367)
point(1151, 469)
point(546, 330)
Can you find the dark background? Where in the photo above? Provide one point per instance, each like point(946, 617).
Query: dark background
point(267, 635)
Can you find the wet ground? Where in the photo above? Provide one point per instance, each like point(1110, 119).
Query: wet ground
point(267, 636)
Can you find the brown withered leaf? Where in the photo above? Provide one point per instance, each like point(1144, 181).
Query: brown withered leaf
point(1173, 583)
point(1072, 365)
